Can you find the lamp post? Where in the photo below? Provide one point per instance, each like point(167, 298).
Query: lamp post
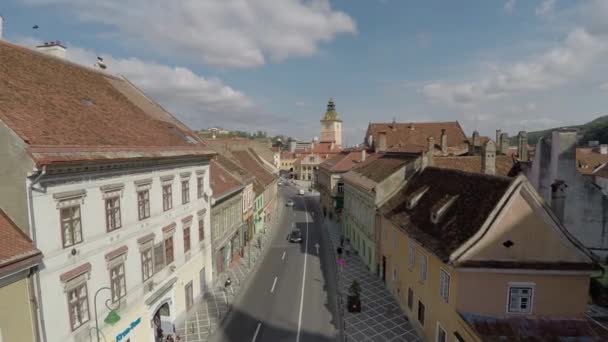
point(112, 317)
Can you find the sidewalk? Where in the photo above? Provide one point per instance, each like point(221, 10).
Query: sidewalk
point(380, 319)
point(203, 320)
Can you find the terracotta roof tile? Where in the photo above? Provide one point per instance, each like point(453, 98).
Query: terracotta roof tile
point(478, 195)
point(222, 182)
point(588, 159)
point(343, 162)
point(248, 162)
point(505, 165)
point(15, 246)
point(535, 329)
point(416, 133)
point(49, 102)
point(379, 166)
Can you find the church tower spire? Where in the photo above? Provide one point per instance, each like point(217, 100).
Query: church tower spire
point(331, 125)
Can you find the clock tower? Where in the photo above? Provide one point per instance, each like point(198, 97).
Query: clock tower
point(331, 125)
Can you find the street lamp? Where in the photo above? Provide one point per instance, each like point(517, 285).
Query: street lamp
point(112, 316)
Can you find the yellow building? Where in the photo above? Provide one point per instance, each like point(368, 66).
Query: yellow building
point(472, 257)
point(18, 260)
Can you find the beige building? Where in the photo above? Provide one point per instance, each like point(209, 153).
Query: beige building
point(473, 257)
point(329, 180)
point(287, 161)
point(18, 260)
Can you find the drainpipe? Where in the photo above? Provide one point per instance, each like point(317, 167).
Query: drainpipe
point(30, 203)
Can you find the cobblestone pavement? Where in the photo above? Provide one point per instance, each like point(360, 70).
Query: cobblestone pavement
point(380, 319)
point(201, 322)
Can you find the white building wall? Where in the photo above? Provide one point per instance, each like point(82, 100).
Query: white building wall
point(97, 242)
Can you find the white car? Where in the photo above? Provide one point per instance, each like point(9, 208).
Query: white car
point(301, 192)
point(289, 203)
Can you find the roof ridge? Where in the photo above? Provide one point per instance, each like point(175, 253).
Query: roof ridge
point(472, 174)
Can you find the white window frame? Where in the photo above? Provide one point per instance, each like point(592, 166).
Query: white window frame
point(424, 264)
point(411, 256)
point(444, 285)
point(530, 286)
point(439, 326)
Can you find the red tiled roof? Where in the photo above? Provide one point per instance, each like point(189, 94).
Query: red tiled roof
point(343, 162)
point(602, 171)
point(535, 329)
point(16, 249)
point(321, 148)
point(222, 182)
point(588, 159)
point(249, 163)
point(378, 166)
point(288, 155)
point(49, 102)
point(505, 165)
point(478, 194)
point(417, 133)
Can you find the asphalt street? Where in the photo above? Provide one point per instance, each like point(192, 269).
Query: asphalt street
point(291, 296)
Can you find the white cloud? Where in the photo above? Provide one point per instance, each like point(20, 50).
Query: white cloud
point(509, 6)
point(546, 7)
point(235, 33)
point(550, 69)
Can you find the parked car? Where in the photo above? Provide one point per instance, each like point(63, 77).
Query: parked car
point(289, 203)
point(295, 236)
point(301, 192)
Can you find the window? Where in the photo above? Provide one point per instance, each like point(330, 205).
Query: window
point(167, 197)
point(117, 282)
point(420, 312)
point(143, 204)
point(186, 239)
point(147, 264)
point(442, 336)
point(113, 213)
point(412, 256)
point(410, 298)
point(71, 230)
point(189, 296)
point(520, 299)
point(169, 250)
point(423, 262)
point(201, 229)
point(159, 257)
point(78, 305)
point(200, 186)
point(185, 191)
point(444, 285)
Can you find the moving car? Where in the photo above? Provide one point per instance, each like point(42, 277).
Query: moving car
point(289, 203)
point(295, 236)
point(301, 192)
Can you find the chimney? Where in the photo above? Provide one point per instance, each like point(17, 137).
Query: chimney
point(430, 151)
point(488, 158)
point(53, 48)
point(1, 26)
point(603, 149)
point(558, 199)
point(522, 146)
point(444, 142)
point(498, 133)
point(363, 155)
point(504, 143)
point(474, 143)
point(381, 142)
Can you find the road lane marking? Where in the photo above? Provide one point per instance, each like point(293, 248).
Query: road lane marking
point(257, 330)
point(273, 285)
point(283, 257)
point(304, 274)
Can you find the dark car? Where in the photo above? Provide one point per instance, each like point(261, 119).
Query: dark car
point(295, 236)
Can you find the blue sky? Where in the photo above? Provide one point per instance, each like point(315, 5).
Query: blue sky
point(272, 64)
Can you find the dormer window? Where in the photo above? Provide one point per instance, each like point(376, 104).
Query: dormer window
point(440, 209)
point(414, 198)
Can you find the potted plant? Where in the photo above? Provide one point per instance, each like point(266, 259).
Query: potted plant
point(354, 299)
